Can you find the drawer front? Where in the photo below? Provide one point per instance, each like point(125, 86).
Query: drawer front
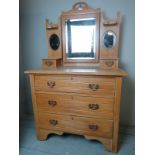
point(78, 125)
point(74, 104)
point(89, 85)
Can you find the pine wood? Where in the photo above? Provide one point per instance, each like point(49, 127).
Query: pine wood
point(76, 84)
point(109, 64)
point(114, 26)
point(72, 96)
point(43, 133)
point(72, 104)
point(51, 63)
point(79, 71)
point(106, 141)
point(116, 114)
point(79, 97)
point(82, 10)
point(53, 29)
point(77, 125)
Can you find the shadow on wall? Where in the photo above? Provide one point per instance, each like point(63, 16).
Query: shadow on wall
point(127, 115)
point(127, 61)
point(28, 99)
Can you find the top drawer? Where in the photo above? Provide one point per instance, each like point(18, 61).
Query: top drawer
point(89, 85)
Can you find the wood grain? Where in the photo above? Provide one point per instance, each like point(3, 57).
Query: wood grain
point(109, 64)
point(116, 114)
point(75, 104)
point(106, 86)
point(54, 54)
point(106, 53)
point(82, 96)
point(79, 71)
point(51, 63)
point(74, 124)
point(72, 94)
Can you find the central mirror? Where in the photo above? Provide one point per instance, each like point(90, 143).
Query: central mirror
point(80, 34)
point(80, 38)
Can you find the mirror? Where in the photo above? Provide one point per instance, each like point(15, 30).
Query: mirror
point(80, 38)
point(54, 41)
point(109, 39)
point(80, 34)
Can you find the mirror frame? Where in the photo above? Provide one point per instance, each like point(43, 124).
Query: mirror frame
point(80, 10)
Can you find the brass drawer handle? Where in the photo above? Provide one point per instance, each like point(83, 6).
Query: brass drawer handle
point(50, 84)
point(93, 127)
point(93, 106)
point(52, 103)
point(48, 63)
point(109, 63)
point(53, 122)
point(94, 87)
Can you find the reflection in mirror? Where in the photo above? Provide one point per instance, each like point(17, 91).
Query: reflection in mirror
point(80, 38)
point(109, 39)
point(54, 41)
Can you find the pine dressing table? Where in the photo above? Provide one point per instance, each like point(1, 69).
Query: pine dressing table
point(78, 89)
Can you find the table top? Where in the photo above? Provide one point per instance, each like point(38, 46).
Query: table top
point(78, 71)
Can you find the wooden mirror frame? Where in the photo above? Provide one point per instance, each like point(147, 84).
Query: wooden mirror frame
point(78, 11)
point(105, 58)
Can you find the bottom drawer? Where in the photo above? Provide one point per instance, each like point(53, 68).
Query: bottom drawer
point(78, 125)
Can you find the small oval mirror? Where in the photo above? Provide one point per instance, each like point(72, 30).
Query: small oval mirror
point(109, 39)
point(54, 41)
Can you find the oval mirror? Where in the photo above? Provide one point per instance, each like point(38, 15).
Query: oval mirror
point(109, 39)
point(54, 41)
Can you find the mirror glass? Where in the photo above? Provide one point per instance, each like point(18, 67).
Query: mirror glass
point(80, 38)
point(54, 41)
point(109, 39)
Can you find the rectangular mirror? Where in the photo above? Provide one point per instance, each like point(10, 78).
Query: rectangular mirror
point(80, 38)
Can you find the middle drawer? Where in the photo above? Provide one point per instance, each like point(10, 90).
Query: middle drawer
point(75, 104)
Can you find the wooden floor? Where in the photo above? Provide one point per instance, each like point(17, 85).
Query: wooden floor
point(67, 144)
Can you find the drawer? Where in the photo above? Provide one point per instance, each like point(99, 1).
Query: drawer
point(74, 104)
point(78, 125)
point(88, 85)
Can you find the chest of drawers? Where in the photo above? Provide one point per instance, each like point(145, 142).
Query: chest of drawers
point(78, 101)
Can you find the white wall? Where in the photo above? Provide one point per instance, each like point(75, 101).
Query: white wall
point(33, 44)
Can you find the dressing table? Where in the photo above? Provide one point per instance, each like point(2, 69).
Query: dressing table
point(78, 89)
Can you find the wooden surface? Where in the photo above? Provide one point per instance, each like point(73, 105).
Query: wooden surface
point(74, 124)
point(116, 114)
point(78, 71)
point(78, 84)
point(77, 99)
point(109, 64)
point(51, 63)
point(75, 104)
point(71, 103)
point(53, 54)
point(111, 53)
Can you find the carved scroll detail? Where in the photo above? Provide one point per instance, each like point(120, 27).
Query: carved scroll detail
point(51, 25)
point(107, 22)
point(80, 6)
